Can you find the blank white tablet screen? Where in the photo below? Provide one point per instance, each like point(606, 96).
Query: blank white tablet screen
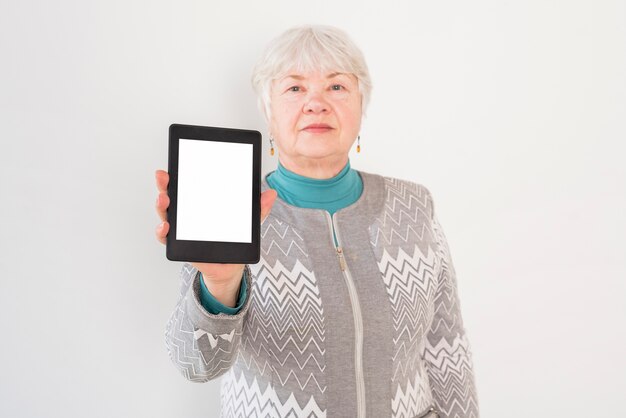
point(214, 191)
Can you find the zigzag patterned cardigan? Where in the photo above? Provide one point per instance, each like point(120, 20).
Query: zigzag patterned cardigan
point(371, 327)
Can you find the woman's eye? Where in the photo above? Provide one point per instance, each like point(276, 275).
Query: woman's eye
point(294, 88)
point(337, 87)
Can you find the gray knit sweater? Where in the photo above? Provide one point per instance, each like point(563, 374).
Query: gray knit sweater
point(369, 328)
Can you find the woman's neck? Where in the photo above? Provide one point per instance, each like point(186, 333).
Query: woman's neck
point(321, 169)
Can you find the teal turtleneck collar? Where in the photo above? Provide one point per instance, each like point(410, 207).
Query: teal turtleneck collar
point(331, 194)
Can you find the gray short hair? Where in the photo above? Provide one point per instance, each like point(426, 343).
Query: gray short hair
point(306, 48)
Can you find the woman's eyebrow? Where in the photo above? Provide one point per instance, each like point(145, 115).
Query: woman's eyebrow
point(299, 77)
point(294, 76)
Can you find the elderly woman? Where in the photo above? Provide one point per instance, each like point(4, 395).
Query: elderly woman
point(352, 310)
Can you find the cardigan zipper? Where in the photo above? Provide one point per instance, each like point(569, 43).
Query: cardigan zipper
point(430, 412)
point(358, 320)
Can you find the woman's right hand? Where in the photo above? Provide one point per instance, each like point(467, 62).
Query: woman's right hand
point(221, 279)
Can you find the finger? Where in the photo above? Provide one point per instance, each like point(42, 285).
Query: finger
point(162, 179)
point(161, 232)
point(162, 203)
point(268, 198)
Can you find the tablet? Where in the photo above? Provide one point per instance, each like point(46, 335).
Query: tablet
point(215, 195)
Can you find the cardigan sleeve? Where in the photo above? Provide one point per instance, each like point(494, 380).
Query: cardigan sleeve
point(447, 352)
point(202, 345)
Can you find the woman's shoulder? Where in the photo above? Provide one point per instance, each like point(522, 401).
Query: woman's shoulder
point(406, 191)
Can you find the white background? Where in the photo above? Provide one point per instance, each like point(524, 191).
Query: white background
point(511, 113)
point(214, 191)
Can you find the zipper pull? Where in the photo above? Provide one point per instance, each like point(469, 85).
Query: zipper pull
point(430, 412)
point(342, 260)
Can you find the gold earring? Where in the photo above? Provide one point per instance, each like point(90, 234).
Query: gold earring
point(358, 145)
point(272, 144)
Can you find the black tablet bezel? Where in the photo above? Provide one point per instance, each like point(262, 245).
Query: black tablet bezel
point(213, 251)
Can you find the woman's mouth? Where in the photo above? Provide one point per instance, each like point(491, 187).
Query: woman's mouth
point(317, 128)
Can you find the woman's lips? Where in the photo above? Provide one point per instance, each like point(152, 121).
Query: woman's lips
point(317, 128)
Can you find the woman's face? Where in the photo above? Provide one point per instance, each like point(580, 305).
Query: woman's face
point(315, 118)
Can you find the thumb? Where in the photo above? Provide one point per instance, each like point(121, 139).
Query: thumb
point(268, 198)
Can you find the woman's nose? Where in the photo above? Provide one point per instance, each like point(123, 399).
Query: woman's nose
point(316, 104)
